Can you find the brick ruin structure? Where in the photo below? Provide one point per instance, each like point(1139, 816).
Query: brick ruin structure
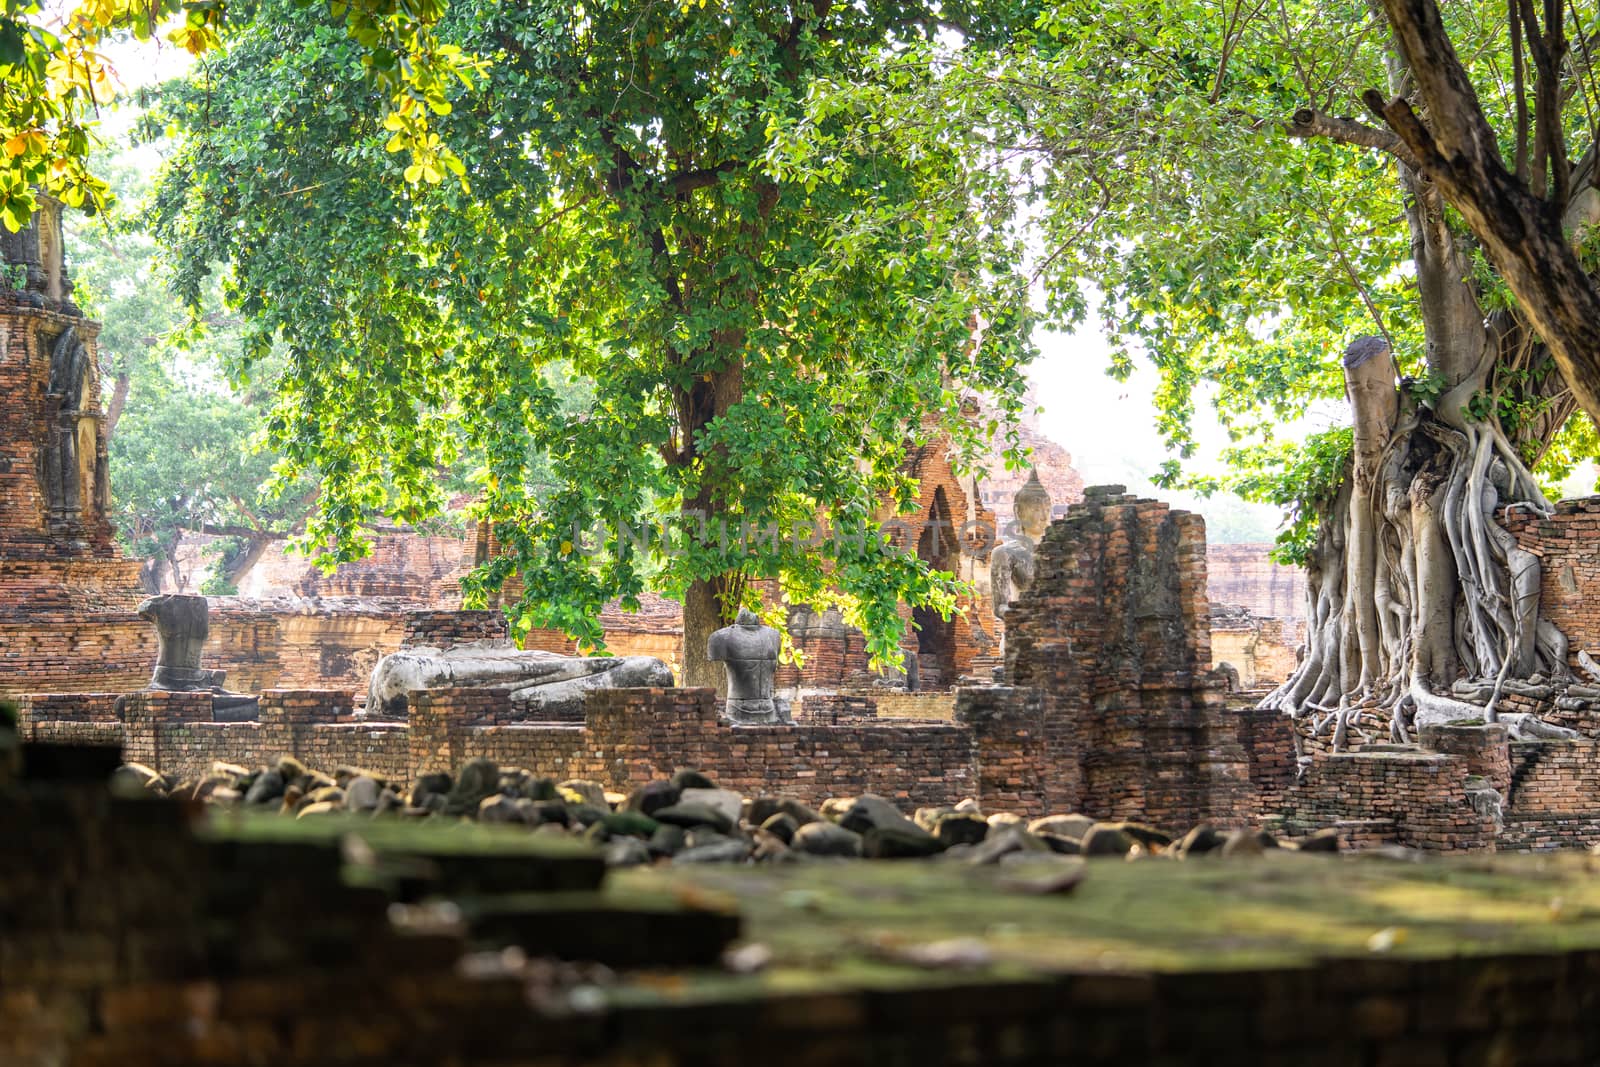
point(62, 579)
point(1110, 708)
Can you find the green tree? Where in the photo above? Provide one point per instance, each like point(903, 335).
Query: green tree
point(1196, 167)
point(182, 462)
point(182, 443)
point(54, 78)
point(756, 362)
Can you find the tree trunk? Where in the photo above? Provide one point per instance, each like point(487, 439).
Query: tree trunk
point(118, 401)
point(1414, 583)
point(707, 605)
point(234, 568)
point(1520, 231)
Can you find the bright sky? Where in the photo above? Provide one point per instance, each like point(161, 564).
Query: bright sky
point(1109, 427)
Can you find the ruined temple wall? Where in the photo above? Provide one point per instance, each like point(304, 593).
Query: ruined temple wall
point(63, 653)
point(1412, 798)
point(1553, 799)
point(1114, 635)
point(1568, 544)
point(1244, 575)
point(403, 563)
point(629, 736)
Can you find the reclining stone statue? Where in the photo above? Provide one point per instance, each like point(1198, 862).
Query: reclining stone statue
point(182, 625)
point(547, 684)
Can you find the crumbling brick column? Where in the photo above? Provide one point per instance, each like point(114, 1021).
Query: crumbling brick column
point(1012, 748)
point(1115, 635)
point(1486, 748)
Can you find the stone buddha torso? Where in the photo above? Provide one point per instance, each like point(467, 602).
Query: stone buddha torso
point(749, 651)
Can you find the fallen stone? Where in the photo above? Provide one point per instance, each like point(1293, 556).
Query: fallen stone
point(1106, 839)
point(1248, 843)
point(899, 842)
point(960, 828)
point(800, 813)
point(1322, 841)
point(585, 815)
point(1061, 844)
point(629, 824)
point(690, 779)
point(869, 812)
point(267, 788)
point(138, 779)
point(499, 809)
point(480, 777)
point(668, 840)
point(552, 812)
point(725, 801)
point(583, 791)
point(769, 846)
point(1073, 826)
point(362, 794)
point(726, 850)
point(782, 826)
point(1003, 841)
point(1148, 836)
point(1041, 875)
point(626, 852)
point(1006, 818)
point(652, 797)
point(824, 838)
point(434, 783)
point(691, 815)
point(1202, 839)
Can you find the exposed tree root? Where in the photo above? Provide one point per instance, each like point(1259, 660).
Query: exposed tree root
point(1423, 609)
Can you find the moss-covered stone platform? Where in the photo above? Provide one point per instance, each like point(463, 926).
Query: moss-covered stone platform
point(126, 935)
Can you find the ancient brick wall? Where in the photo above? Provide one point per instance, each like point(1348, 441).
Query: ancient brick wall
point(1016, 771)
point(629, 737)
point(1553, 796)
point(897, 704)
point(61, 652)
point(1570, 580)
point(1114, 634)
point(831, 709)
point(1401, 796)
point(1244, 575)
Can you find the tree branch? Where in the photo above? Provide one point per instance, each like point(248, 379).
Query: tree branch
point(1308, 123)
point(1520, 232)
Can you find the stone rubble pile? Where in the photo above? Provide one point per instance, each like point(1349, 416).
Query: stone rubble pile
point(688, 819)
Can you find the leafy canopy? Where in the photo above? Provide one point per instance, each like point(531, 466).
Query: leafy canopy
point(55, 75)
point(1149, 145)
point(755, 347)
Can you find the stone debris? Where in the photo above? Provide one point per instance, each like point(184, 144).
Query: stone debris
point(688, 819)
